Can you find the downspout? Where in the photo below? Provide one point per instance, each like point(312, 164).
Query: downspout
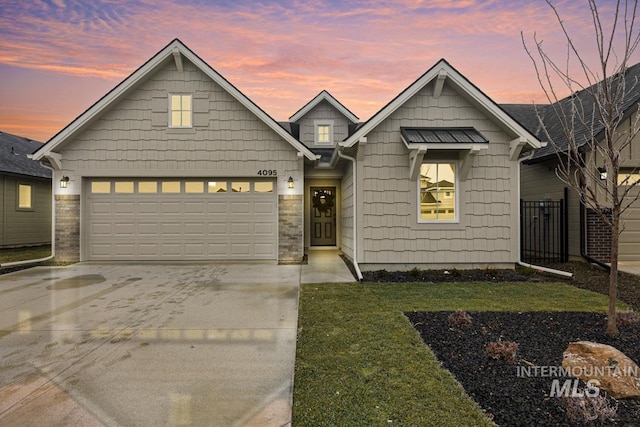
point(53, 229)
point(355, 240)
point(520, 262)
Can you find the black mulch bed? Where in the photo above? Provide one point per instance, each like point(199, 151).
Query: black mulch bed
point(542, 337)
point(453, 275)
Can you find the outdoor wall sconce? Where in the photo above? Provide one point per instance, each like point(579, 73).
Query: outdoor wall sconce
point(603, 173)
point(64, 182)
point(290, 182)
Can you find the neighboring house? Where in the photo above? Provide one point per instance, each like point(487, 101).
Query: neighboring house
point(25, 211)
point(175, 163)
point(588, 235)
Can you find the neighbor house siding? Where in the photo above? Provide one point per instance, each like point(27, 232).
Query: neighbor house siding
point(25, 227)
point(133, 136)
point(486, 232)
point(539, 182)
point(323, 111)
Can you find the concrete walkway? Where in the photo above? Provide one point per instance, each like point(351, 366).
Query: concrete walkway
point(148, 345)
point(325, 266)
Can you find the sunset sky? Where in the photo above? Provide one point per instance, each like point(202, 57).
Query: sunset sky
point(57, 57)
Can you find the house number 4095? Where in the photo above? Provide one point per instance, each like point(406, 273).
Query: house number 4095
point(268, 172)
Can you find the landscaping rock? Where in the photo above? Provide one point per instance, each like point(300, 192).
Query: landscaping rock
point(614, 371)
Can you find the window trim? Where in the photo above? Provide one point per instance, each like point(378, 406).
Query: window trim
point(456, 192)
point(31, 206)
point(316, 126)
point(171, 125)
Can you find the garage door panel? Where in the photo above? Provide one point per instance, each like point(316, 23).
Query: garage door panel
point(195, 229)
point(179, 226)
point(101, 229)
point(148, 208)
point(217, 207)
point(264, 229)
point(97, 208)
point(240, 207)
point(264, 207)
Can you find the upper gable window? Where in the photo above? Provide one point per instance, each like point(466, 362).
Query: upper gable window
point(180, 110)
point(323, 133)
point(437, 192)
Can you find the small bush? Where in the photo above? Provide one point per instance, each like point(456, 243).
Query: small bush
point(527, 271)
point(502, 350)
point(455, 273)
point(491, 272)
point(415, 272)
point(627, 318)
point(585, 409)
point(459, 318)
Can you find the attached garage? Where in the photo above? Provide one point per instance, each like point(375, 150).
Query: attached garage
point(180, 219)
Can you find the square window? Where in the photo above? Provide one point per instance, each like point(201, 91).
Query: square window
point(124, 187)
point(25, 196)
point(194, 187)
point(147, 187)
point(437, 192)
point(170, 186)
point(180, 110)
point(240, 187)
point(263, 187)
point(217, 186)
point(101, 187)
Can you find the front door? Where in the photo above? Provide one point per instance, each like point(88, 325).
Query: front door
point(323, 216)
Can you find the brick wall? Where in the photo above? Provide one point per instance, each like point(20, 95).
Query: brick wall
point(290, 221)
point(598, 237)
point(68, 228)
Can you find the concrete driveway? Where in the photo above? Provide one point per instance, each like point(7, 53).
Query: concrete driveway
point(148, 345)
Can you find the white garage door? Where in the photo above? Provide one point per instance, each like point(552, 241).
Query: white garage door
point(180, 219)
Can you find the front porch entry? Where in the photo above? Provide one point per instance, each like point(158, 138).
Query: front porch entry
point(323, 216)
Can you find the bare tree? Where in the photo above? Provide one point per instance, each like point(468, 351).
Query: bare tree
point(592, 130)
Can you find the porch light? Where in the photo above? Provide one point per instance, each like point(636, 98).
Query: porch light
point(603, 173)
point(64, 182)
point(290, 182)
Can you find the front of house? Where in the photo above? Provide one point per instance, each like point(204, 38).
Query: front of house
point(176, 164)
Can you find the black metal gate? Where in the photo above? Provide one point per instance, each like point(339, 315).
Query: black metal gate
point(543, 231)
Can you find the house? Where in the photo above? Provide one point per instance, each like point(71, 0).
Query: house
point(588, 236)
point(175, 163)
point(25, 185)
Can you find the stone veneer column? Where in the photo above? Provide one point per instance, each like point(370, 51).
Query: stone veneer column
point(291, 226)
point(67, 228)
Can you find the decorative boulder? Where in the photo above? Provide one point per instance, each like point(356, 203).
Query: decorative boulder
point(615, 372)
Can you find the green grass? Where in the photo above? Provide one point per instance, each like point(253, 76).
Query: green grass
point(24, 254)
point(359, 362)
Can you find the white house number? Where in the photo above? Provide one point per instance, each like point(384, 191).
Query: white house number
point(268, 172)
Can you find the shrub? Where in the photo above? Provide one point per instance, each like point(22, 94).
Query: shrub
point(459, 318)
point(627, 318)
point(502, 350)
point(415, 272)
point(584, 409)
point(491, 272)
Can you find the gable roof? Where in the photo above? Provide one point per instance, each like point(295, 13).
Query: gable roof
point(442, 71)
point(13, 157)
point(175, 48)
point(582, 132)
point(324, 96)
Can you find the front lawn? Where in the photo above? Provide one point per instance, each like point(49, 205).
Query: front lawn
point(359, 361)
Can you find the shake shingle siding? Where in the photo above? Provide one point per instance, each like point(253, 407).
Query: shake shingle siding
point(487, 210)
point(347, 211)
point(133, 135)
point(323, 112)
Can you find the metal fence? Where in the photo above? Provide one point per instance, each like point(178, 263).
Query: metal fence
point(543, 229)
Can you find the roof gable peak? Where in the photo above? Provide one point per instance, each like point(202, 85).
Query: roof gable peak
point(324, 95)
